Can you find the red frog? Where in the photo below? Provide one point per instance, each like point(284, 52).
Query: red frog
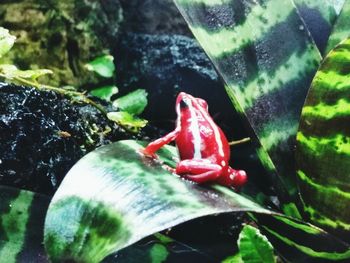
point(203, 147)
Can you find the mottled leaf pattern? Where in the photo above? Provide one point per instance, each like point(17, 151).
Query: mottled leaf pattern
point(114, 196)
point(302, 243)
point(267, 59)
point(125, 197)
point(22, 216)
point(323, 145)
point(341, 29)
point(319, 17)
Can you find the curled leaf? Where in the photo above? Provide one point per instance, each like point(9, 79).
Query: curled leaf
point(103, 66)
point(105, 92)
point(115, 196)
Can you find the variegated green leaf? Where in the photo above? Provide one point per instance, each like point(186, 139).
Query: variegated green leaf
point(302, 243)
point(114, 196)
point(267, 59)
point(319, 17)
point(22, 216)
point(323, 145)
point(341, 29)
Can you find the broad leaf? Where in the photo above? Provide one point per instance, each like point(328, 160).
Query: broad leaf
point(114, 196)
point(264, 53)
point(134, 102)
point(103, 66)
point(22, 216)
point(6, 41)
point(323, 148)
point(319, 17)
point(254, 247)
point(341, 29)
point(105, 92)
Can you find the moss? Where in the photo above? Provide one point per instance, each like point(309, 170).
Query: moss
point(60, 35)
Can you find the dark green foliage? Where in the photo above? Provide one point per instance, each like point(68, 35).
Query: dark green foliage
point(22, 216)
point(341, 28)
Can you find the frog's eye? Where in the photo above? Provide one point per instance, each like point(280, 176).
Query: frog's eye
point(183, 104)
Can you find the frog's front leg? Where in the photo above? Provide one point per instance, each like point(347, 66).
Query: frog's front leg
point(159, 143)
point(199, 171)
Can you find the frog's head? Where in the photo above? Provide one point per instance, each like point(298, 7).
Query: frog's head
point(185, 101)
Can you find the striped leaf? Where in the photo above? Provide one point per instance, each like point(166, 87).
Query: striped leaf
point(114, 196)
point(323, 145)
point(319, 17)
point(302, 243)
point(267, 59)
point(22, 216)
point(341, 29)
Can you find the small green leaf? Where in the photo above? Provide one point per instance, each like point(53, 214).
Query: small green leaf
point(159, 253)
point(103, 66)
point(233, 259)
point(254, 247)
point(127, 120)
point(11, 71)
point(31, 74)
point(6, 41)
point(133, 103)
point(8, 70)
point(105, 92)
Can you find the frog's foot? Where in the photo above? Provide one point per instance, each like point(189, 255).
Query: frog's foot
point(199, 171)
point(148, 153)
point(235, 178)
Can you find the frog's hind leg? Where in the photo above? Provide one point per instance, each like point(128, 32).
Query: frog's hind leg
point(199, 171)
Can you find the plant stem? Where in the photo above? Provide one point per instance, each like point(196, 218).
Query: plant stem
point(244, 140)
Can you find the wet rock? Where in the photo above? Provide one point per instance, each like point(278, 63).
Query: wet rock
point(164, 65)
point(153, 17)
point(60, 35)
point(43, 135)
